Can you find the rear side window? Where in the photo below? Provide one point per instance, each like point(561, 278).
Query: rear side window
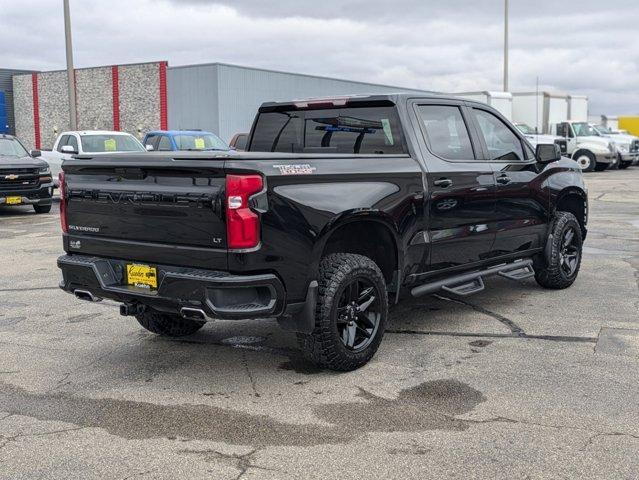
point(365, 130)
point(446, 132)
point(240, 141)
point(501, 141)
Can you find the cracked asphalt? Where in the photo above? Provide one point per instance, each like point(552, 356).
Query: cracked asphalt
point(515, 382)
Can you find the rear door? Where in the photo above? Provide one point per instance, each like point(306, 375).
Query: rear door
point(521, 202)
point(460, 185)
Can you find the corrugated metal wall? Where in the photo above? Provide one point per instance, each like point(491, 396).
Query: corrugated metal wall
point(224, 98)
point(6, 85)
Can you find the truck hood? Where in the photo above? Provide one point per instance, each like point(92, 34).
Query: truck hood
point(8, 162)
point(602, 141)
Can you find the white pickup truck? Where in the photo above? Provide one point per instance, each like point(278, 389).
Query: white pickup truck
point(627, 145)
point(88, 142)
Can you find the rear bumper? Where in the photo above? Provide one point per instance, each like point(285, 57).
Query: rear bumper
point(36, 196)
point(220, 295)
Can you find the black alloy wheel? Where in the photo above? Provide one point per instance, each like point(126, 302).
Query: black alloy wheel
point(358, 314)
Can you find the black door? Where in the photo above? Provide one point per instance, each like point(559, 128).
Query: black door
point(460, 188)
point(521, 200)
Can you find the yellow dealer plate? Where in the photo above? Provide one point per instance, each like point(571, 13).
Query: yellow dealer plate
point(14, 200)
point(142, 275)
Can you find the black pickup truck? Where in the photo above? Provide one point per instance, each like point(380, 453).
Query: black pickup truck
point(24, 178)
point(338, 208)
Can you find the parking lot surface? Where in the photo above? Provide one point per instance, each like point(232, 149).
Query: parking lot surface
point(515, 382)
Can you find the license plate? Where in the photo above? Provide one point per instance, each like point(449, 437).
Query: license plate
point(14, 200)
point(142, 275)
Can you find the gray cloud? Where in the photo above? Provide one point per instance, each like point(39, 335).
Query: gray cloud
point(579, 46)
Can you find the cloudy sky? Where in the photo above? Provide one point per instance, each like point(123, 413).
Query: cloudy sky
point(579, 46)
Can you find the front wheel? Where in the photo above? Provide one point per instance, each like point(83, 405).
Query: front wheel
point(351, 313)
point(586, 160)
point(168, 325)
point(562, 267)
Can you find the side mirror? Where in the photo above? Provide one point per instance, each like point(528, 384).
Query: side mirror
point(548, 152)
point(149, 148)
point(69, 149)
point(35, 153)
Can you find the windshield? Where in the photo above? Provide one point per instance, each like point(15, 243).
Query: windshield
point(525, 129)
point(602, 130)
point(10, 147)
point(110, 143)
point(582, 129)
point(199, 141)
point(366, 130)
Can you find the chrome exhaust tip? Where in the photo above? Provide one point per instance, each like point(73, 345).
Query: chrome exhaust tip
point(191, 313)
point(86, 296)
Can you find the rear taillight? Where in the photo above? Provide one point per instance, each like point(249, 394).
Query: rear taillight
point(63, 203)
point(242, 224)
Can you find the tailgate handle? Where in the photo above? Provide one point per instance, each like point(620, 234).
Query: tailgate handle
point(130, 173)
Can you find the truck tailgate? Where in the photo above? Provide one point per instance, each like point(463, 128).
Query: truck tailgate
point(133, 208)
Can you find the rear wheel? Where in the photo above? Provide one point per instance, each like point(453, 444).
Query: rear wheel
point(42, 208)
point(586, 160)
point(561, 269)
point(351, 313)
point(168, 325)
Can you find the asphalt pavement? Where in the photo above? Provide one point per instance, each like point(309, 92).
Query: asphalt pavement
point(515, 382)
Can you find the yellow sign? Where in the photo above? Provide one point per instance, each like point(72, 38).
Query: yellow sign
point(14, 200)
point(199, 143)
point(142, 275)
point(110, 145)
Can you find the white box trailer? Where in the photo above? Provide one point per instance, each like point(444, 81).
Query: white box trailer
point(500, 101)
point(610, 121)
point(540, 109)
point(578, 108)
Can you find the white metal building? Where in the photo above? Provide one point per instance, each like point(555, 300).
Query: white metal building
point(224, 98)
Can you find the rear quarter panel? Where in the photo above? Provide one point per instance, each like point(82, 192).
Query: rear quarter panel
point(311, 200)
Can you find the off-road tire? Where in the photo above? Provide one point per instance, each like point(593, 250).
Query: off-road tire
point(324, 346)
point(168, 325)
point(42, 208)
point(550, 274)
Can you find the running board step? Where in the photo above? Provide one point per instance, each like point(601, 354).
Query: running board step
point(469, 283)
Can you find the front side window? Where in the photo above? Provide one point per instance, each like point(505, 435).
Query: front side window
point(446, 132)
point(62, 142)
point(164, 144)
point(363, 130)
point(73, 142)
point(501, 141)
point(105, 143)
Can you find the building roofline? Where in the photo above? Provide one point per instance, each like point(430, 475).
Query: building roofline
point(308, 75)
point(29, 72)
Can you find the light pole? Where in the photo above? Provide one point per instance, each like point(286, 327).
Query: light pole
point(505, 45)
point(73, 119)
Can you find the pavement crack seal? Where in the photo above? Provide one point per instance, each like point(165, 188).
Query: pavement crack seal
point(515, 330)
point(242, 462)
point(249, 374)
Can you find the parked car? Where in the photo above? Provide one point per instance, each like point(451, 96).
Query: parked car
point(24, 178)
point(340, 208)
point(88, 142)
point(589, 149)
point(239, 142)
point(172, 140)
point(627, 145)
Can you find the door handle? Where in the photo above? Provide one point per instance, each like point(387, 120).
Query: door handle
point(443, 182)
point(504, 179)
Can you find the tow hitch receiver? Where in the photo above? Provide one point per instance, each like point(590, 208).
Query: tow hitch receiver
point(130, 309)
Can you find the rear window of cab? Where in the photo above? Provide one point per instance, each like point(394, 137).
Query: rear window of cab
point(348, 130)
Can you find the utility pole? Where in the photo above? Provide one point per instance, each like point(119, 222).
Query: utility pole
point(70, 76)
point(505, 45)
